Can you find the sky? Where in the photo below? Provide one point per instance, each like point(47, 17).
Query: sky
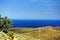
point(30, 9)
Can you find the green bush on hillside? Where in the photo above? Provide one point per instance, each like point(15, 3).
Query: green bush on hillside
point(5, 24)
point(10, 33)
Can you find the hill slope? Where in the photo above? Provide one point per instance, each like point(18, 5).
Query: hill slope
point(46, 33)
point(42, 33)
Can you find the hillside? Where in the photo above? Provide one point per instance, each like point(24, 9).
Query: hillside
point(42, 33)
point(46, 33)
point(4, 36)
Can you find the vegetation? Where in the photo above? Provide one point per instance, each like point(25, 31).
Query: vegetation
point(10, 33)
point(5, 24)
point(43, 33)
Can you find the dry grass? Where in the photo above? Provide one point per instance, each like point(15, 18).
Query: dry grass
point(46, 33)
point(23, 30)
point(43, 33)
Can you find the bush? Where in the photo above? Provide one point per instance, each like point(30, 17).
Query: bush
point(5, 24)
point(10, 33)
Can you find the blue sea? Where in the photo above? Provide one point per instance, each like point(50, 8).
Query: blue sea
point(35, 23)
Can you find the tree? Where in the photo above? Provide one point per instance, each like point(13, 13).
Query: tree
point(5, 24)
point(1, 22)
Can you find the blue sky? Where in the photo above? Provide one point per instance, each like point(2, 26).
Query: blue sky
point(30, 9)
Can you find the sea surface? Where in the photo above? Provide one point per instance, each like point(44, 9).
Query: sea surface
point(35, 23)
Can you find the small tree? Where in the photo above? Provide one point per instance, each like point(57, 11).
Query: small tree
point(1, 22)
point(5, 24)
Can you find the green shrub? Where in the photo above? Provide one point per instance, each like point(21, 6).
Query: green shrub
point(5, 24)
point(10, 33)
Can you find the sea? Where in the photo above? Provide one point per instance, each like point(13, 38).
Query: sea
point(34, 23)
